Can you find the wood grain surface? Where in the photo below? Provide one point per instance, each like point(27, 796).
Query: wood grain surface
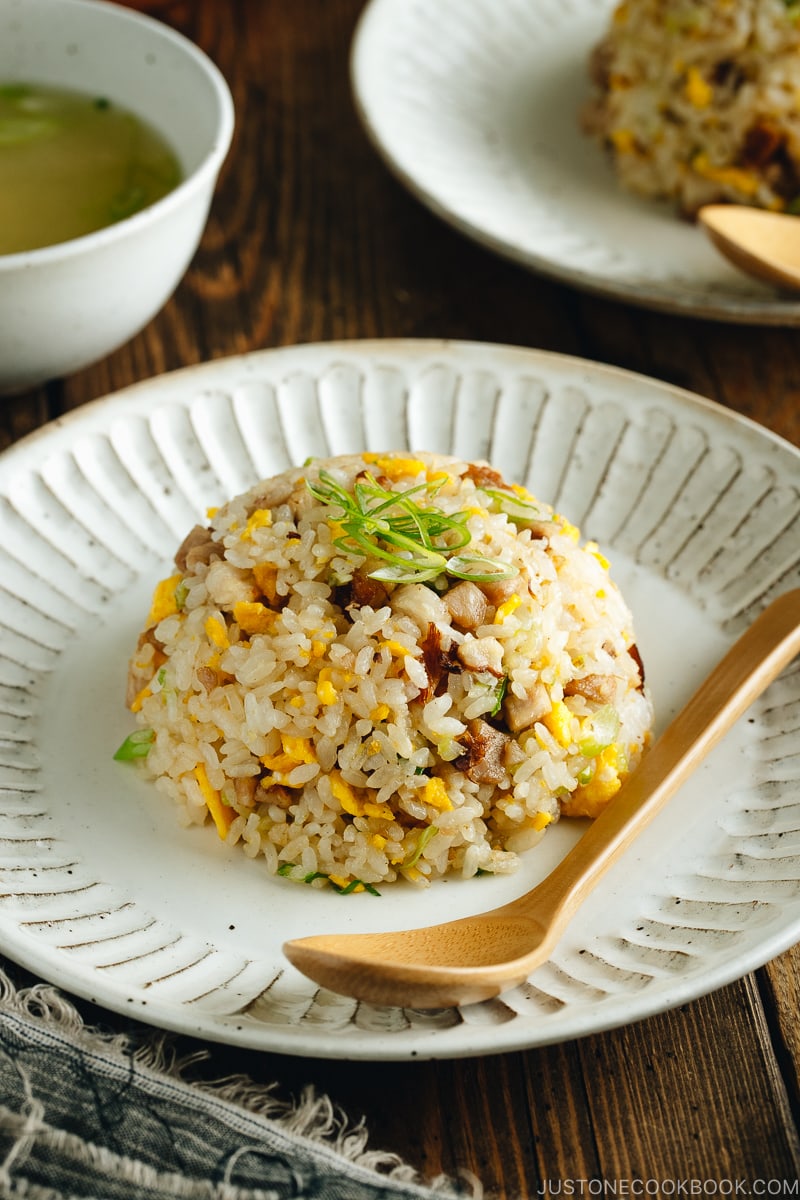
point(310, 238)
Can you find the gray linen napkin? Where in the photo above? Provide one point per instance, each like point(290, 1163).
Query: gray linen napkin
point(94, 1116)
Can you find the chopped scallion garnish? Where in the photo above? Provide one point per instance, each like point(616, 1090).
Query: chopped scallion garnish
point(599, 731)
point(298, 875)
point(422, 842)
point(499, 696)
point(417, 542)
point(516, 507)
point(136, 745)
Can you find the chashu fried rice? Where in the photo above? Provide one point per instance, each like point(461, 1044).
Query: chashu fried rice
point(387, 665)
point(698, 102)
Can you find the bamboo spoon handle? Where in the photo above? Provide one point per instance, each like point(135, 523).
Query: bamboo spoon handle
point(751, 664)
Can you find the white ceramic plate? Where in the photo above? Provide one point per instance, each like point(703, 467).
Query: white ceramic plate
point(104, 894)
point(475, 105)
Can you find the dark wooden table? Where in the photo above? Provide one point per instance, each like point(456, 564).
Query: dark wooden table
point(311, 239)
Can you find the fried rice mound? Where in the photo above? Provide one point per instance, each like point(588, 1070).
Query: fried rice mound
point(383, 666)
point(697, 102)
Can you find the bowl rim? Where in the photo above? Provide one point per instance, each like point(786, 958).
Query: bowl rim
point(207, 168)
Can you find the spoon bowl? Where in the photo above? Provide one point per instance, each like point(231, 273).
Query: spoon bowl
point(478, 957)
point(764, 244)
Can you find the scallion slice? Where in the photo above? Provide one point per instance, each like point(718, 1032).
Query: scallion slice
point(599, 731)
point(136, 745)
point(417, 541)
point(422, 842)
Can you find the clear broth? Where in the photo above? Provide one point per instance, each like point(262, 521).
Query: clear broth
point(71, 164)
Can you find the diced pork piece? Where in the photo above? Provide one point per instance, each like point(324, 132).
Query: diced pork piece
point(482, 654)
point(197, 547)
point(633, 650)
point(245, 788)
point(228, 585)
point(602, 688)
point(277, 794)
point(274, 492)
point(466, 604)
point(520, 712)
point(497, 593)
point(482, 475)
point(300, 501)
point(485, 760)
point(208, 677)
point(367, 592)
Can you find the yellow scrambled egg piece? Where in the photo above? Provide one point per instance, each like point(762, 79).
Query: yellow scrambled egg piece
point(395, 466)
point(735, 177)
point(217, 633)
point(623, 141)
point(164, 602)
point(266, 577)
point(592, 798)
point(221, 813)
point(435, 794)
point(346, 796)
point(559, 722)
point(260, 518)
point(698, 92)
point(295, 752)
point(253, 617)
point(507, 608)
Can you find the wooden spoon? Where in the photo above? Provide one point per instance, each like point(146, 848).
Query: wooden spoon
point(474, 958)
point(764, 244)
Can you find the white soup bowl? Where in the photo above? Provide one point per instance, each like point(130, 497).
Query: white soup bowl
point(68, 305)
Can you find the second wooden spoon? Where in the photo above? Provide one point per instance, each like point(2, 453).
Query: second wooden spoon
point(475, 958)
point(763, 244)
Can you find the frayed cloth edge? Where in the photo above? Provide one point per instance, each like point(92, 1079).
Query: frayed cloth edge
point(313, 1117)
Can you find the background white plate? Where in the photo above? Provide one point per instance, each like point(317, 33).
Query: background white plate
point(103, 893)
point(475, 105)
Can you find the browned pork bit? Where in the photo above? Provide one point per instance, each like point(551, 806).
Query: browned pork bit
point(602, 688)
point(227, 585)
point(482, 475)
point(276, 793)
point(482, 654)
point(208, 677)
point(762, 143)
point(438, 662)
point(497, 593)
point(633, 650)
point(601, 62)
point(273, 492)
point(521, 712)
point(244, 788)
point(197, 547)
point(486, 757)
point(466, 604)
point(367, 592)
